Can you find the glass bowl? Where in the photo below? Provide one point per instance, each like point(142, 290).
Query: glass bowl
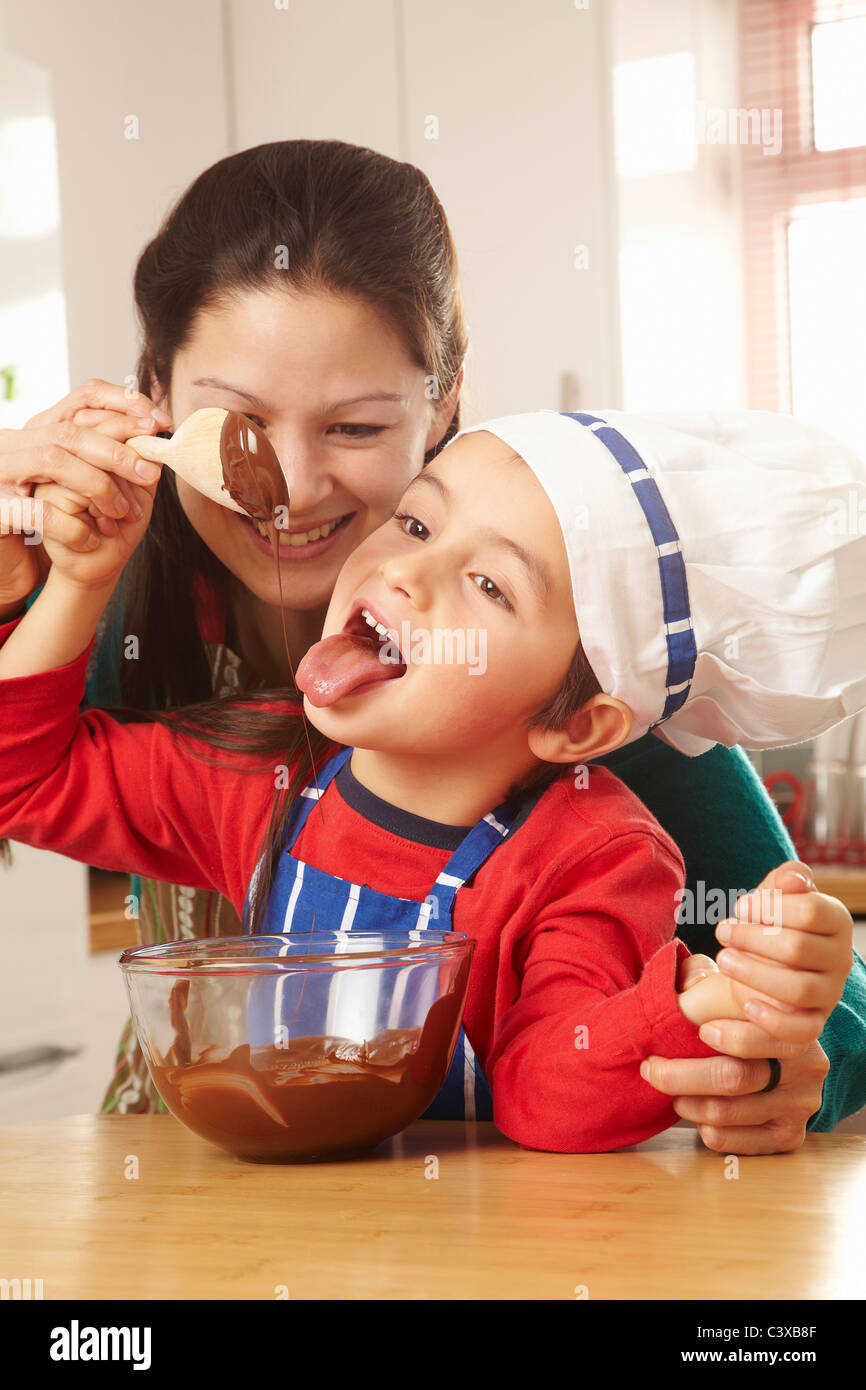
point(297, 1048)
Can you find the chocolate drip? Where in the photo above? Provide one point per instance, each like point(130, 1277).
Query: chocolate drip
point(177, 1002)
point(253, 478)
point(252, 475)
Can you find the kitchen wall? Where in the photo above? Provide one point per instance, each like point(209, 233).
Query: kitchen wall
point(503, 104)
point(680, 205)
point(112, 63)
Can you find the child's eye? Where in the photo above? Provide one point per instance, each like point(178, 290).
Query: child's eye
point(489, 588)
point(401, 517)
point(361, 431)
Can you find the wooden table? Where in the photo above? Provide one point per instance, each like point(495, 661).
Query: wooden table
point(661, 1221)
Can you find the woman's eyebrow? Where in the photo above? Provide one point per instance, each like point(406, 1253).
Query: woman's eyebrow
point(357, 400)
point(327, 410)
point(535, 567)
point(235, 390)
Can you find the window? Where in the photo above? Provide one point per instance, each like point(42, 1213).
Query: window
point(838, 66)
point(654, 103)
point(803, 211)
point(827, 314)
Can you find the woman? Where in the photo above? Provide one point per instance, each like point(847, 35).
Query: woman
point(313, 285)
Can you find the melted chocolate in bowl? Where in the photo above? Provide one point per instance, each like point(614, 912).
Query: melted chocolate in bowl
point(317, 1097)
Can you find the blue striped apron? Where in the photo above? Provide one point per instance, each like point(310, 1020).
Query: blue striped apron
point(299, 890)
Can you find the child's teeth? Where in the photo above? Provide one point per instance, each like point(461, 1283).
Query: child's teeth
point(371, 622)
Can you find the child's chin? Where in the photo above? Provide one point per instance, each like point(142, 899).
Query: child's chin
point(353, 719)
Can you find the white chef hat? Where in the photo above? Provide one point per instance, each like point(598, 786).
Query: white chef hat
point(718, 564)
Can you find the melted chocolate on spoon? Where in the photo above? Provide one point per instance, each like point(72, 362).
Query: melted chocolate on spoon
point(252, 475)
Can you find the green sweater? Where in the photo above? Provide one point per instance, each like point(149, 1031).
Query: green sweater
point(729, 833)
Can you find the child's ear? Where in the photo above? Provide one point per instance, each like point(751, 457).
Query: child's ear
point(599, 726)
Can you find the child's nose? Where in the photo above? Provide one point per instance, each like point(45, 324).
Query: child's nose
point(410, 573)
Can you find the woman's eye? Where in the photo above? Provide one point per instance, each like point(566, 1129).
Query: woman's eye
point(254, 420)
point(489, 588)
point(360, 431)
point(402, 518)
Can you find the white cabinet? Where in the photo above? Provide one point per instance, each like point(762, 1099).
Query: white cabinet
point(504, 105)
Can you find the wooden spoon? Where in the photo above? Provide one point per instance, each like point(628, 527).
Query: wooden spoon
point(193, 452)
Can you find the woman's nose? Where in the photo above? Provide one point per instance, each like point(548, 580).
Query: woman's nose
point(308, 484)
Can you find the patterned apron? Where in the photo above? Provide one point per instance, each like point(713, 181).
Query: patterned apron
point(300, 890)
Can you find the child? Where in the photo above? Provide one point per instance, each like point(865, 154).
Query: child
point(733, 612)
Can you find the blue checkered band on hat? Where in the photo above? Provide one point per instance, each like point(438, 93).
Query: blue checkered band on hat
point(679, 630)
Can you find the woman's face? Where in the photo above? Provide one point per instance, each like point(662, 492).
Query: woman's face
point(331, 383)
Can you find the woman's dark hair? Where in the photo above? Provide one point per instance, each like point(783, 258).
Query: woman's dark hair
point(339, 218)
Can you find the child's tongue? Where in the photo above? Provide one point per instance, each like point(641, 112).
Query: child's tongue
point(337, 665)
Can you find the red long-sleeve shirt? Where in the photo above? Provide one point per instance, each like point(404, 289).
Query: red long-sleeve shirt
point(574, 977)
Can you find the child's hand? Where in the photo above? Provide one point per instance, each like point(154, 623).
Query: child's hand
point(86, 547)
point(706, 995)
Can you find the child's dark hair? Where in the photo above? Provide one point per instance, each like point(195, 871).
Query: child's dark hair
point(580, 684)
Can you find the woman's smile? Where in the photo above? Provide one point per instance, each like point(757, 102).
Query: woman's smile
point(297, 544)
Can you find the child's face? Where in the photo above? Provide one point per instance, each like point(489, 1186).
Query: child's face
point(477, 568)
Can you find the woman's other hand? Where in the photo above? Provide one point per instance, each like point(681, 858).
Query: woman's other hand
point(725, 1098)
